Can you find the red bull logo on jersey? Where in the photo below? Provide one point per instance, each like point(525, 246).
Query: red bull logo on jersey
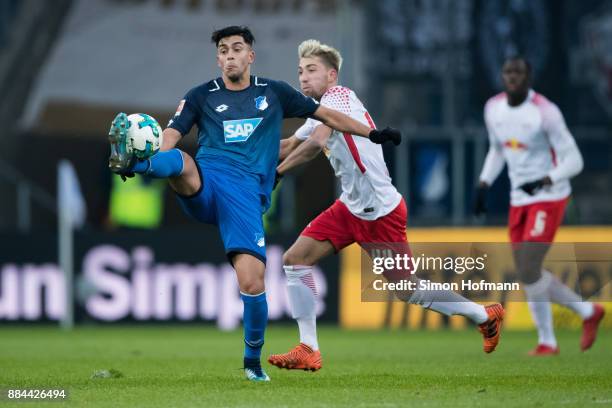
point(514, 144)
point(240, 130)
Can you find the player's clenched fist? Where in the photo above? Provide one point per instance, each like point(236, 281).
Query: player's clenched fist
point(387, 134)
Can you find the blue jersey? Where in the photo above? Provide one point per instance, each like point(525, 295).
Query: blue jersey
point(240, 130)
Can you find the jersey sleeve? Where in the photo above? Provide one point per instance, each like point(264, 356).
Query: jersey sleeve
point(494, 162)
point(295, 104)
point(494, 141)
point(187, 114)
point(569, 159)
point(306, 129)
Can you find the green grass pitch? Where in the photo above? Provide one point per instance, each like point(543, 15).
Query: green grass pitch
point(179, 366)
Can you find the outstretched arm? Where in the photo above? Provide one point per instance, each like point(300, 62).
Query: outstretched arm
point(307, 150)
point(341, 122)
point(345, 124)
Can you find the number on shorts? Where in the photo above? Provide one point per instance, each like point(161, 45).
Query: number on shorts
point(539, 224)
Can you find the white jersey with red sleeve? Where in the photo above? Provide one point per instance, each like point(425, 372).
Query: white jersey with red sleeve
point(533, 140)
point(367, 190)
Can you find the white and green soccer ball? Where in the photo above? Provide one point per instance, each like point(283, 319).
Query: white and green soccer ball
point(144, 135)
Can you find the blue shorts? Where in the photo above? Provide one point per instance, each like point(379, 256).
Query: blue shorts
point(232, 201)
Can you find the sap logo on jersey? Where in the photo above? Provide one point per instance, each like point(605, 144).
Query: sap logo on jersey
point(239, 130)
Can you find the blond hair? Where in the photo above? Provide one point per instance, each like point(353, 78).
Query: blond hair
point(329, 55)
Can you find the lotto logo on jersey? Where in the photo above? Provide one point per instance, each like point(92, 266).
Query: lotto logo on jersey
point(239, 130)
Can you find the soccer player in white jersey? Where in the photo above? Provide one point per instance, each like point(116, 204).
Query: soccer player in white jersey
point(370, 210)
point(528, 133)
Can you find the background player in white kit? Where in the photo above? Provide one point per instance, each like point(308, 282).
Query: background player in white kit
point(528, 132)
point(370, 209)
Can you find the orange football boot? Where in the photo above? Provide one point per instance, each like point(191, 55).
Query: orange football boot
point(301, 357)
point(491, 329)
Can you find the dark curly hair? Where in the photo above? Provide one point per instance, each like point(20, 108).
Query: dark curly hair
point(242, 31)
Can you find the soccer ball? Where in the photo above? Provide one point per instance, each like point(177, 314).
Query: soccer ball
point(144, 135)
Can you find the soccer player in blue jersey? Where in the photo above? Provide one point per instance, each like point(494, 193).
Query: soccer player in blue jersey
point(228, 184)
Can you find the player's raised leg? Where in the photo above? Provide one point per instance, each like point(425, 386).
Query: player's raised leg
point(302, 293)
point(392, 229)
point(488, 318)
point(169, 162)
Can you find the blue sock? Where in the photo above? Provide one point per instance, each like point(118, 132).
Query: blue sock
point(255, 318)
point(161, 165)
